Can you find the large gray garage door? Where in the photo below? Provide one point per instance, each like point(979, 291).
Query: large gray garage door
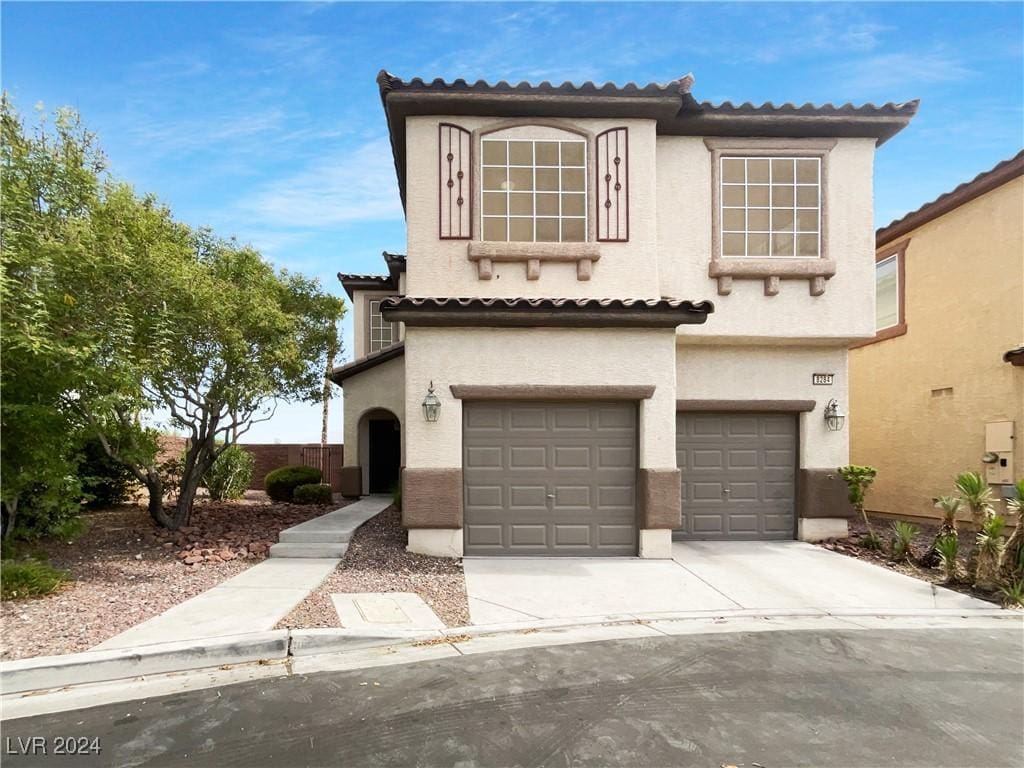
point(550, 478)
point(738, 473)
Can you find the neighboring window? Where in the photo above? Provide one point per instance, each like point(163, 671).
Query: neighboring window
point(770, 206)
point(382, 333)
point(887, 293)
point(534, 191)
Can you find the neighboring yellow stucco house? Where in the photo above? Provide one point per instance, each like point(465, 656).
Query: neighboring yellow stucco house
point(940, 389)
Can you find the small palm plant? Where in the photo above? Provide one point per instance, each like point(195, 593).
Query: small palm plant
point(1011, 567)
point(948, 548)
point(858, 480)
point(976, 494)
point(950, 506)
point(1013, 594)
point(903, 534)
point(989, 546)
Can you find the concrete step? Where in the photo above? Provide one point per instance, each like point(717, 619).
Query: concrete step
point(297, 535)
point(308, 549)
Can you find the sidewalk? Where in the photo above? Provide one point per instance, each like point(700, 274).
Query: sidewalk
point(256, 599)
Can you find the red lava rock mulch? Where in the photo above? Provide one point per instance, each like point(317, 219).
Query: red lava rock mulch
point(376, 561)
point(852, 547)
point(127, 570)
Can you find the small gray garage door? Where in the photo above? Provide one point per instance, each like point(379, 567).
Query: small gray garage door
point(550, 478)
point(738, 472)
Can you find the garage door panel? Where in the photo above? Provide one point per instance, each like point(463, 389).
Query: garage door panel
point(574, 457)
point(485, 496)
point(528, 535)
point(527, 496)
point(750, 492)
point(484, 536)
point(614, 457)
point(554, 478)
point(527, 418)
point(483, 457)
point(527, 457)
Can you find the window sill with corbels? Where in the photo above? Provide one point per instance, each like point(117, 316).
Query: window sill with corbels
point(772, 270)
point(533, 255)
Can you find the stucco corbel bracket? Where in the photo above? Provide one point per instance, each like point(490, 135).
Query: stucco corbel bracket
point(771, 271)
point(533, 255)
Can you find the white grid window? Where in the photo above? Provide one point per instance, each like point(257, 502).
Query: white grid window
point(534, 191)
point(382, 333)
point(887, 293)
point(770, 206)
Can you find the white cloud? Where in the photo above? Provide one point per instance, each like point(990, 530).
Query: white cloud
point(892, 70)
point(342, 186)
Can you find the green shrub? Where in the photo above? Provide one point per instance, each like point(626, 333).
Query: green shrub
point(396, 495)
point(903, 534)
point(312, 493)
point(29, 578)
point(1013, 594)
point(281, 483)
point(105, 482)
point(948, 548)
point(230, 474)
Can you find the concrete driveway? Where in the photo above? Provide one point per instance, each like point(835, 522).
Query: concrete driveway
point(701, 576)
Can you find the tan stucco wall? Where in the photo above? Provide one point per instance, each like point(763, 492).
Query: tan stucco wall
point(535, 356)
point(964, 309)
point(379, 387)
point(441, 268)
point(780, 373)
point(844, 311)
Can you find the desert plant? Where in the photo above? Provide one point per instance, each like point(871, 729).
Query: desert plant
point(312, 493)
point(1013, 594)
point(858, 480)
point(396, 496)
point(1011, 566)
point(903, 534)
point(872, 541)
point(230, 474)
point(281, 483)
point(29, 578)
point(977, 495)
point(105, 482)
point(949, 505)
point(988, 547)
point(948, 548)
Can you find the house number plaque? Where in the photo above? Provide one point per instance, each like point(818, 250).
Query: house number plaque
point(824, 379)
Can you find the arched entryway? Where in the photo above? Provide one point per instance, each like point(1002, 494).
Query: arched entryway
point(380, 449)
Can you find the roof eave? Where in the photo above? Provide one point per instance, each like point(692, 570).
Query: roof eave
point(347, 371)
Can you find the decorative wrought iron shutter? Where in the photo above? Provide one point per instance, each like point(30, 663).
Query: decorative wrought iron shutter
point(455, 182)
point(612, 188)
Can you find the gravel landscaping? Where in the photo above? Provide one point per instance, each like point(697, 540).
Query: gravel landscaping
point(852, 547)
point(376, 561)
point(127, 570)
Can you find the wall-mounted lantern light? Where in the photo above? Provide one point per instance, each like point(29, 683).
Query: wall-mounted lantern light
point(431, 405)
point(834, 418)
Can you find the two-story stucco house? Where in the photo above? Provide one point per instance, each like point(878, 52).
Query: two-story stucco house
point(621, 319)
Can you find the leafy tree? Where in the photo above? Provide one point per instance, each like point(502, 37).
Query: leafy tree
point(136, 314)
point(49, 186)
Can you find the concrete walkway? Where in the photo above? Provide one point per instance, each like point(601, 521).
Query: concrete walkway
point(256, 599)
point(702, 576)
point(328, 535)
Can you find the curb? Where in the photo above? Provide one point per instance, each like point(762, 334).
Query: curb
point(49, 673)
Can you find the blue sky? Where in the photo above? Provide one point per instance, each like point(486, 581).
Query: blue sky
point(263, 120)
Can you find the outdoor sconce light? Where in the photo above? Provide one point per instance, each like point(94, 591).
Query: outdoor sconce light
point(431, 405)
point(833, 418)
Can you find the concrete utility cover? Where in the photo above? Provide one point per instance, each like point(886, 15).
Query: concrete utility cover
point(396, 610)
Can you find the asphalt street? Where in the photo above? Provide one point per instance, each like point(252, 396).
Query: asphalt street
point(815, 698)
